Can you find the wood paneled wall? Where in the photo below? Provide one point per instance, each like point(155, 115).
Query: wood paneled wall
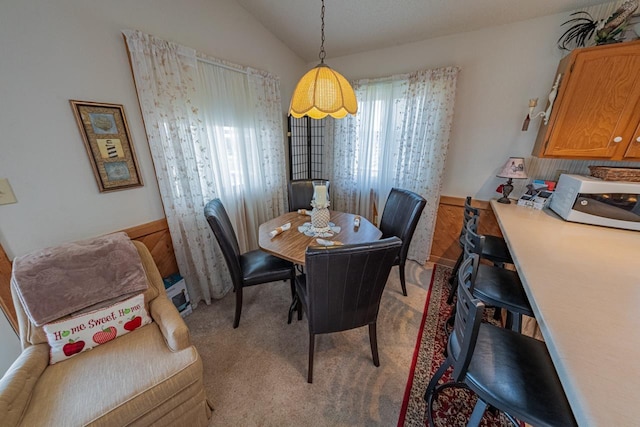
point(155, 236)
point(445, 248)
point(6, 301)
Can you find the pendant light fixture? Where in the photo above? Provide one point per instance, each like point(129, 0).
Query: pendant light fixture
point(322, 91)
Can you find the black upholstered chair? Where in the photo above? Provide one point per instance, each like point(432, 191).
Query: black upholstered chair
point(342, 288)
point(251, 268)
point(509, 371)
point(300, 194)
point(494, 249)
point(400, 218)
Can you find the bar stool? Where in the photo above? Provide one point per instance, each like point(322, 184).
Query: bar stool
point(506, 370)
point(494, 249)
point(495, 286)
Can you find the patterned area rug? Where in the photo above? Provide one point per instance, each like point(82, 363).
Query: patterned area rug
point(454, 405)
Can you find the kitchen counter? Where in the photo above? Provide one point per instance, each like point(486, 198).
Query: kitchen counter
point(583, 282)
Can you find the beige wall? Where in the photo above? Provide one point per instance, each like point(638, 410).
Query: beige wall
point(53, 51)
point(502, 67)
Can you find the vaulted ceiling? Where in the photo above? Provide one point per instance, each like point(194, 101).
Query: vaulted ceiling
point(353, 26)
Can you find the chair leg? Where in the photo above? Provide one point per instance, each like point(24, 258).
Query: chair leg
point(312, 341)
point(436, 377)
point(516, 325)
point(293, 283)
point(456, 266)
point(236, 320)
point(373, 340)
point(452, 292)
point(476, 415)
point(453, 279)
point(293, 307)
point(403, 283)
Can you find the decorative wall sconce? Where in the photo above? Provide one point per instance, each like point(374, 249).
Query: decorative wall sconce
point(546, 113)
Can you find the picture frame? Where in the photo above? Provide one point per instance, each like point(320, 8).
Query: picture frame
point(106, 137)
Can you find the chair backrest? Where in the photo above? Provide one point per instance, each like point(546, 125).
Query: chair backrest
point(300, 194)
point(473, 244)
point(469, 212)
point(222, 228)
point(468, 316)
point(345, 283)
point(400, 217)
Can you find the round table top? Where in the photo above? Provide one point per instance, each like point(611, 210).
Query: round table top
point(292, 244)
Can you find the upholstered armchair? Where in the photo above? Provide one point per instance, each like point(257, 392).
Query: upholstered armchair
point(150, 375)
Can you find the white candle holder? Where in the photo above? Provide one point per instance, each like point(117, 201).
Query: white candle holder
point(320, 217)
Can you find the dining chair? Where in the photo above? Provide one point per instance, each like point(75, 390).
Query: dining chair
point(511, 372)
point(342, 288)
point(495, 248)
point(250, 268)
point(400, 218)
point(300, 192)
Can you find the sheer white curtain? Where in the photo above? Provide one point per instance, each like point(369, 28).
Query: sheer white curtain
point(398, 138)
point(214, 130)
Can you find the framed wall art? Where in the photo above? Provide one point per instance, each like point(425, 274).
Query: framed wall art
point(106, 137)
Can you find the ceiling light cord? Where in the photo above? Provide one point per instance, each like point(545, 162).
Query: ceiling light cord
point(322, 53)
point(323, 92)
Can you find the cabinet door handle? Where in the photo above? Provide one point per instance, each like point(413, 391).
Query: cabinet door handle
point(617, 139)
point(638, 139)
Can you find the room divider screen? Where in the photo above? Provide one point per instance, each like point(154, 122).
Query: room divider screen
point(306, 137)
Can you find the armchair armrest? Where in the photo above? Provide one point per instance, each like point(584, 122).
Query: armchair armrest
point(17, 384)
point(172, 326)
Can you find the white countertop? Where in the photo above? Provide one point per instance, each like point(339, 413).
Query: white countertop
point(583, 282)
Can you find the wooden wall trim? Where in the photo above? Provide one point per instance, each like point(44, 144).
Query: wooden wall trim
point(156, 237)
point(6, 301)
point(459, 201)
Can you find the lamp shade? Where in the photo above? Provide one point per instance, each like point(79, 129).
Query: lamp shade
point(514, 168)
point(323, 92)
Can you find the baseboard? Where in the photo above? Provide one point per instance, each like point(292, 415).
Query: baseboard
point(442, 261)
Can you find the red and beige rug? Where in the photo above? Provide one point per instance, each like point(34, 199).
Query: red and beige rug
point(454, 405)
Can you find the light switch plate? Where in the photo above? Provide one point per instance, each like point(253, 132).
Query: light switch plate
point(6, 193)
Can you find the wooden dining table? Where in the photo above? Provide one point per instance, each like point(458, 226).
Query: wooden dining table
point(292, 244)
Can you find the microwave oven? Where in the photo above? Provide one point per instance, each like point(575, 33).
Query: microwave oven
point(591, 200)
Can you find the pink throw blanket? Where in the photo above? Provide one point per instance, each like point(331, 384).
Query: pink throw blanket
point(54, 282)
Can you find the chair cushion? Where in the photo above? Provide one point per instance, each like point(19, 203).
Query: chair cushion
point(260, 267)
point(515, 373)
point(70, 336)
point(502, 288)
point(139, 373)
point(495, 249)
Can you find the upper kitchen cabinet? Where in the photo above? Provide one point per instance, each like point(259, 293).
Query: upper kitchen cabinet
point(596, 114)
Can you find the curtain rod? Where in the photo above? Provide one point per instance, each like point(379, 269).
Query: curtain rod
point(218, 64)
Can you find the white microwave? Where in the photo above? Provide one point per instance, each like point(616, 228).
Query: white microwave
point(591, 200)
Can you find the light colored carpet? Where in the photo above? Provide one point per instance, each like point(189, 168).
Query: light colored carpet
point(256, 375)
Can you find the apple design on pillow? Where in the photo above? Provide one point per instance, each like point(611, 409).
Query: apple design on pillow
point(134, 323)
point(72, 347)
point(107, 334)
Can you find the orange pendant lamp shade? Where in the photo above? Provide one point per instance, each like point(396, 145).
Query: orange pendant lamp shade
point(323, 92)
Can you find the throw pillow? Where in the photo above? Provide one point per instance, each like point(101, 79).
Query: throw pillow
point(84, 332)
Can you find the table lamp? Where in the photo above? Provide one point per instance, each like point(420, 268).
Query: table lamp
point(513, 169)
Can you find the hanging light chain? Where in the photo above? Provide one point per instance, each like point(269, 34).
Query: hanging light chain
point(322, 53)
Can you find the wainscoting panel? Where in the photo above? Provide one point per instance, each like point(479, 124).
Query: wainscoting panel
point(155, 236)
point(445, 248)
point(6, 301)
